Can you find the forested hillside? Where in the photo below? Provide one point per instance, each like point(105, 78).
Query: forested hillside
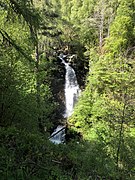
point(100, 134)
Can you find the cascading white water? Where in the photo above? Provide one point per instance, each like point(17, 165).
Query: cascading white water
point(58, 136)
point(72, 92)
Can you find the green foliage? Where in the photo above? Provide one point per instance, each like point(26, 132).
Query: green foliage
point(25, 155)
point(104, 31)
point(122, 29)
point(105, 111)
point(17, 91)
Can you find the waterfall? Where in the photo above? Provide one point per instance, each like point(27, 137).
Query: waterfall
point(58, 136)
point(72, 92)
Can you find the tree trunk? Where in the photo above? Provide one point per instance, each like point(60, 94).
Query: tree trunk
point(121, 137)
point(41, 128)
point(101, 31)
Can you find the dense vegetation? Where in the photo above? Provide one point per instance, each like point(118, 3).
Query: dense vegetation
point(102, 35)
